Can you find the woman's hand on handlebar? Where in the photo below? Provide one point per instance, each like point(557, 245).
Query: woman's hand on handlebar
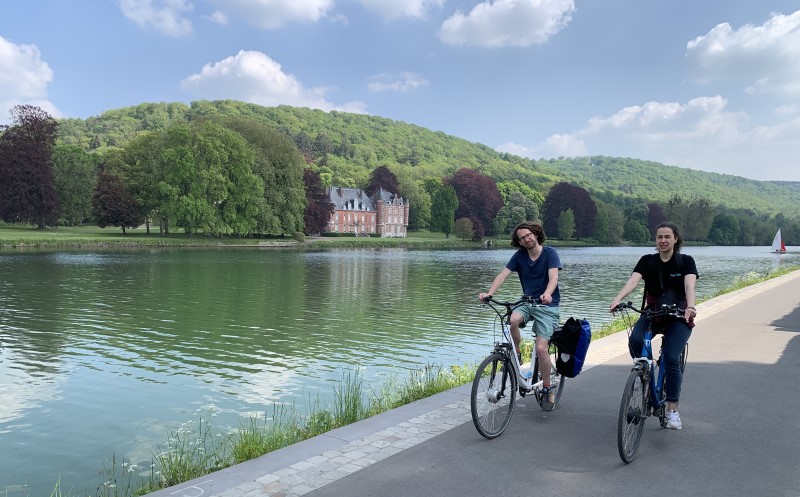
point(483, 297)
point(617, 306)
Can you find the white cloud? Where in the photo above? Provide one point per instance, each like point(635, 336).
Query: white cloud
point(253, 77)
point(507, 23)
point(402, 82)
point(554, 146)
point(166, 16)
point(701, 134)
point(393, 9)
point(270, 14)
point(24, 77)
point(218, 17)
point(765, 58)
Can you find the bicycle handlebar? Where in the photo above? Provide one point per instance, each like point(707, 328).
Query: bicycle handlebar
point(499, 305)
point(671, 310)
point(525, 299)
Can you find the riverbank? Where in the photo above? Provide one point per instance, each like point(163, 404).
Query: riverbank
point(92, 237)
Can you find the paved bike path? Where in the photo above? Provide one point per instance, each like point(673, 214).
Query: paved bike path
point(739, 404)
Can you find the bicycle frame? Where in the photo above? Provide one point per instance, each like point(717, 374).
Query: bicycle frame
point(524, 380)
point(655, 387)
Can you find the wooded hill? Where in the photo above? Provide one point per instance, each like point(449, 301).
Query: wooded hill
point(344, 148)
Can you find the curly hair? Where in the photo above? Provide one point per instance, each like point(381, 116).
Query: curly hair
point(534, 228)
point(674, 228)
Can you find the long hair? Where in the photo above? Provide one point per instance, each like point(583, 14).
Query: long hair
point(674, 228)
point(534, 228)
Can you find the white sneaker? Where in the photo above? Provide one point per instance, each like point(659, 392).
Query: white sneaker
point(674, 420)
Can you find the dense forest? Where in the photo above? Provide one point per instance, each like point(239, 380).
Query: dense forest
point(228, 167)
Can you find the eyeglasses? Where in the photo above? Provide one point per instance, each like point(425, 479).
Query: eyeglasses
point(525, 237)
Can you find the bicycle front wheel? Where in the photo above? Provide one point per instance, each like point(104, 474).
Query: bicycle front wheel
point(632, 415)
point(494, 392)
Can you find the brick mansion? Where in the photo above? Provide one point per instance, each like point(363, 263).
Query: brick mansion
point(383, 213)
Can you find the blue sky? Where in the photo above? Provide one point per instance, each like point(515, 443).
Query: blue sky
point(712, 85)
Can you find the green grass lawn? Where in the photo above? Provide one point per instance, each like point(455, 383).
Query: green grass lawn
point(89, 236)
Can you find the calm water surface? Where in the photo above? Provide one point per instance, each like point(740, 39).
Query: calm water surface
point(104, 353)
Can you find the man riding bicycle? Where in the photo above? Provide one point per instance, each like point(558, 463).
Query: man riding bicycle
point(537, 267)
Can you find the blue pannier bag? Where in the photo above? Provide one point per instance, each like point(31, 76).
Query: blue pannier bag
point(572, 342)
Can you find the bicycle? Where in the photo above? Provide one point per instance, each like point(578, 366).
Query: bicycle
point(500, 376)
point(645, 393)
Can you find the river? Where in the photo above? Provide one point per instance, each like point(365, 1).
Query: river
point(105, 352)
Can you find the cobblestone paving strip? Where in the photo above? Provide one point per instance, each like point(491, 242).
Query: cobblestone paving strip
point(317, 471)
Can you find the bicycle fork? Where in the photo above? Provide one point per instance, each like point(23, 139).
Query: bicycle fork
point(497, 386)
point(656, 382)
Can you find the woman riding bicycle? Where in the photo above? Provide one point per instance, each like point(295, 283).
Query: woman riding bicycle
point(537, 267)
point(669, 278)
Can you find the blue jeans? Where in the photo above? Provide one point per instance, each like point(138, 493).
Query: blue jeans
point(676, 333)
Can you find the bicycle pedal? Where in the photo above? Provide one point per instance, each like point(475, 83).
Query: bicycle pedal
point(523, 392)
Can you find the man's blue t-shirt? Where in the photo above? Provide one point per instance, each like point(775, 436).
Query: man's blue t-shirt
point(533, 274)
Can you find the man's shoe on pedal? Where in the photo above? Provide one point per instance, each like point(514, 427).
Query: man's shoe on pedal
point(548, 398)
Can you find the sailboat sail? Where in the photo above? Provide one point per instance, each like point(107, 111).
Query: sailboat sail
point(777, 243)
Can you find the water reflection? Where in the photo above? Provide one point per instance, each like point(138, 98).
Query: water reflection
point(101, 352)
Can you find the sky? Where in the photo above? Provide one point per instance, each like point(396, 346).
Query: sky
point(711, 85)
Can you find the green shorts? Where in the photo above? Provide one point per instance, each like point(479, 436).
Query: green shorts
point(545, 318)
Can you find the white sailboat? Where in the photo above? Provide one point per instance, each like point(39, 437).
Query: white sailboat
point(777, 243)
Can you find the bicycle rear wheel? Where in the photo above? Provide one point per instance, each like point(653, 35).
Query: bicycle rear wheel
point(494, 392)
point(632, 415)
point(556, 379)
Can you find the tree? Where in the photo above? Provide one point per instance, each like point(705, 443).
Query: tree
point(75, 175)
point(319, 207)
point(382, 177)
point(478, 196)
point(563, 196)
point(140, 166)
point(419, 214)
point(113, 205)
point(655, 216)
point(724, 230)
point(463, 229)
point(478, 231)
point(506, 188)
point(27, 184)
point(678, 212)
point(610, 223)
point(699, 222)
point(443, 208)
point(518, 208)
point(566, 224)
point(208, 181)
point(636, 232)
point(280, 166)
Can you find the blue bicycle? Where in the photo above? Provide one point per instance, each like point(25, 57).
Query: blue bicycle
point(645, 392)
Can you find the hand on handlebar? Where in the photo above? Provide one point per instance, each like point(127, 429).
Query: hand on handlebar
point(616, 306)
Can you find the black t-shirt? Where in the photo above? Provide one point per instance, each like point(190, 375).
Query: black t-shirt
point(671, 273)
